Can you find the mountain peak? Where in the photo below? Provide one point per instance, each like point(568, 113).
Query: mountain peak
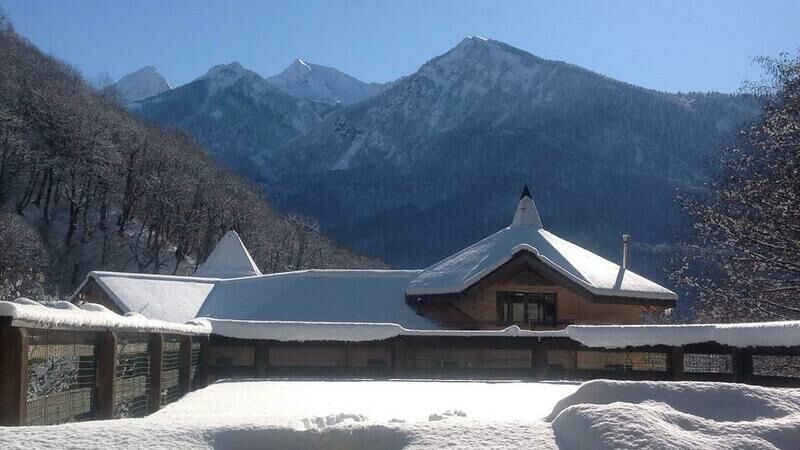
point(141, 84)
point(321, 84)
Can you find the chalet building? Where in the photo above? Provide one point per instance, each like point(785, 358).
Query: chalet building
point(522, 275)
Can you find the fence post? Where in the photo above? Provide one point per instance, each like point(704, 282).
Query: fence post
point(156, 348)
point(399, 357)
point(539, 359)
point(204, 372)
point(676, 363)
point(13, 375)
point(185, 366)
point(742, 361)
point(262, 359)
point(106, 374)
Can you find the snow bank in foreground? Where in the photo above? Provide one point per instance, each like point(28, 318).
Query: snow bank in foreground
point(606, 414)
point(90, 315)
point(375, 415)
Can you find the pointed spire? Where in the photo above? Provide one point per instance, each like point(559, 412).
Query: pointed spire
point(527, 214)
point(525, 192)
point(229, 259)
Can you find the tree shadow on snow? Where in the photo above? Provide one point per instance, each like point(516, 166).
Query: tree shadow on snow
point(362, 438)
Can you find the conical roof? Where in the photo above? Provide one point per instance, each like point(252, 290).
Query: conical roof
point(592, 272)
point(230, 259)
point(527, 214)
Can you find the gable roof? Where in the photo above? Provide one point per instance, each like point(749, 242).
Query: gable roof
point(592, 272)
point(375, 296)
point(229, 259)
point(162, 297)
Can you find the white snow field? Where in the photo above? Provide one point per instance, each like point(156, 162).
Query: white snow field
point(435, 414)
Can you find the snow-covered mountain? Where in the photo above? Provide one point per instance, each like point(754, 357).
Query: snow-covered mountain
point(322, 84)
point(436, 160)
point(235, 112)
point(145, 82)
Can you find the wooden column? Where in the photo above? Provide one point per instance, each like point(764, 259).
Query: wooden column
point(156, 350)
point(204, 373)
point(742, 362)
point(262, 359)
point(676, 363)
point(106, 374)
point(399, 357)
point(13, 375)
point(185, 366)
point(539, 359)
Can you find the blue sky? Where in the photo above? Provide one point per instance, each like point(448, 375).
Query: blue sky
point(666, 45)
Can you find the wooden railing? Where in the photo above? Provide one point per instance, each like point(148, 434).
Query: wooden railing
point(50, 376)
point(499, 357)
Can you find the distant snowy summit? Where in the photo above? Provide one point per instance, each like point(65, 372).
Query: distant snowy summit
point(322, 84)
point(144, 83)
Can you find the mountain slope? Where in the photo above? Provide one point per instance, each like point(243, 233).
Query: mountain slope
point(84, 185)
point(235, 113)
point(145, 82)
point(322, 84)
point(436, 160)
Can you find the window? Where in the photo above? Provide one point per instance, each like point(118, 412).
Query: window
point(525, 308)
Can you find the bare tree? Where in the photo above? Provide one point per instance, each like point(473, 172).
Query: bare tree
point(742, 261)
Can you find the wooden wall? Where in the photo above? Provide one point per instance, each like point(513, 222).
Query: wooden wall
point(91, 292)
point(478, 304)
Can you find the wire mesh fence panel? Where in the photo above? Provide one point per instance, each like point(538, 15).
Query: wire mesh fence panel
point(62, 373)
point(466, 358)
point(776, 366)
point(707, 363)
point(132, 378)
point(170, 367)
point(621, 361)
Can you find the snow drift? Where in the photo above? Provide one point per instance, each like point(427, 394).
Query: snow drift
point(604, 414)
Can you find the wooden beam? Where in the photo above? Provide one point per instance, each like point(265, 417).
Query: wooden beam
point(742, 362)
point(399, 357)
point(156, 350)
point(13, 375)
point(185, 366)
point(106, 375)
point(204, 373)
point(539, 359)
point(676, 363)
point(262, 359)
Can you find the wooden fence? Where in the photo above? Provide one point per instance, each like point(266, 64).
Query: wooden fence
point(51, 376)
point(500, 357)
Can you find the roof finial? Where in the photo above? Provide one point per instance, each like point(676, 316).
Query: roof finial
point(525, 192)
point(527, 214)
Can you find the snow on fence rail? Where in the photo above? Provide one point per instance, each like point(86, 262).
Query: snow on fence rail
point(764, 353)
point(740, 335)
point(63, 363)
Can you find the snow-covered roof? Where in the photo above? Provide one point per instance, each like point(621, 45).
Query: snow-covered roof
point(594, 273)
point(25, 312)
point(229, 259)
point(375, 296)
point(162, 297)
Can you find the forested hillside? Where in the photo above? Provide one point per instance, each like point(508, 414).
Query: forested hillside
point(84, 186)
point(437, 160)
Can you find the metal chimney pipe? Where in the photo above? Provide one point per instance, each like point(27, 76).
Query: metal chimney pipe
point(626, 239)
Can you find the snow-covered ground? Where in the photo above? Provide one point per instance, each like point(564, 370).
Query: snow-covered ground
point(435, 414)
